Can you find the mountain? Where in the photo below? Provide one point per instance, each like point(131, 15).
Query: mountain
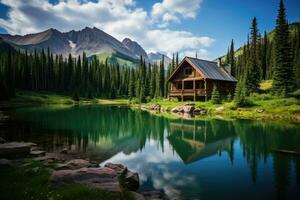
point(93, 41)
point(135, 48)
point(155, 58)
point(5, 47)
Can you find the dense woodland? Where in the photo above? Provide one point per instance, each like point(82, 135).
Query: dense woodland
point(273, 56)
point(262, 58)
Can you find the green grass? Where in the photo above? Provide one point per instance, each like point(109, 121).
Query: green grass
point(22, 182)
point(56, 100)
point(274, 108)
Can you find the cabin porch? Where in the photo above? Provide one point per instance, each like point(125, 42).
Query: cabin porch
point(192, 89)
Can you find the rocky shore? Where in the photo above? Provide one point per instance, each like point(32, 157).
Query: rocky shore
point(115, 179)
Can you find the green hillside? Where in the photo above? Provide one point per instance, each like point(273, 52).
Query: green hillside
point(117, 58)
point(270, 36)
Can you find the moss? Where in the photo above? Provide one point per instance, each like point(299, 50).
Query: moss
point(30, 180)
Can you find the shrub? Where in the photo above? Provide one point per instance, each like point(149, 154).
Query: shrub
point(295, 94)
point(75, 96)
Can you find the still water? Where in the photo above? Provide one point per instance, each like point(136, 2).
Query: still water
point(186, 159)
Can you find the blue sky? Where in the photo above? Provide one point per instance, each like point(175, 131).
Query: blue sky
point(206, 26)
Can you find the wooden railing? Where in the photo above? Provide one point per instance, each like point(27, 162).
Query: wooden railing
point(187, 92)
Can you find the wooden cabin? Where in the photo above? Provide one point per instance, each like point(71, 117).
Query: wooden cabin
point(194, 79)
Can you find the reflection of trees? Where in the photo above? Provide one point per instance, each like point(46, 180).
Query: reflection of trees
point(110, 130)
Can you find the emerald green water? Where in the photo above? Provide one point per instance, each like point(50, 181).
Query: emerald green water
point(186, 159)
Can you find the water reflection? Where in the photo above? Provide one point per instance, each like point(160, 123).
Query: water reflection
point(190, 159)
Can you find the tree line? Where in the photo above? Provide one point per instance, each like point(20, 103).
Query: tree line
point(274, 56)
point(81, 76)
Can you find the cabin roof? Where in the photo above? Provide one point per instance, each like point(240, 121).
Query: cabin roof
point(209, 69)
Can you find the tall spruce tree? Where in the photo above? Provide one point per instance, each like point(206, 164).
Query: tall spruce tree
point(252, 74)
point(283, 76)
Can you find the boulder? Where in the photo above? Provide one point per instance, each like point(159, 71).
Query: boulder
point(187, 108)
point(5, 162)
point(74, 164)
point(2, 140)
point(129, 180)
point(37, 153)
point(15, 149)
point(259, 110)
point(99, 178)
point(137, 196)
point(119, 168)
point(221, 108)
point(154, 107)
point(64, 151)
point(200, 111)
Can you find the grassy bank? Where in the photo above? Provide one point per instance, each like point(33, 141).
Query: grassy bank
point(29, 180)
point(24, 98)
point(263, 106)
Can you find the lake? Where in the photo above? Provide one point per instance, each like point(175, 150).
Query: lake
point(186, 159)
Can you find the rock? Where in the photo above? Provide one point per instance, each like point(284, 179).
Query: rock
point(130, 180)
point(221, 108)
point(154, 107)
point(200, 111)
point(48, 157)
point(15, 149)
point(259, 110)
point(137, 196)
point(2, 140)
point(99, 178)
point(74, 164)
point(119, 168)
point(35, 169)
point(5, 162)
point(64, 151)
point(187, 108)
point(155, 194)
point(37, 153)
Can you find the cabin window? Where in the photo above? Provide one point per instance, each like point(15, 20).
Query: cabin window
point(179, 85)
point(188, 71)
point(199, 85)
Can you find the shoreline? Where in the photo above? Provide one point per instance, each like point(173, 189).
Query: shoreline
point(284, 109)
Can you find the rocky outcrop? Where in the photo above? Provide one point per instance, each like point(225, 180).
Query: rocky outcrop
point(15, 149)
point(102, 178)
point(74, 164)
point(152, 108)
point(130, 180)
point(187, 108)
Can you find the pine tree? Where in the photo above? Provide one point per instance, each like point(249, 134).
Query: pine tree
point(215, 96)
point(162, 78)
point(232, 59)
point(240, 94)
point(252, 74)
point(283, 76)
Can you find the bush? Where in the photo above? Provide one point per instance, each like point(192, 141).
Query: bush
point(215, 96)
point(259, 97)
point(75, 96)
point(295, 94)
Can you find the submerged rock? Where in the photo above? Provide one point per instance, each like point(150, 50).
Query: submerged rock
point(5, 162)
point(37, 153)
point(102, 178)
point(119, 168)
point(200, 111)
point(15, 149)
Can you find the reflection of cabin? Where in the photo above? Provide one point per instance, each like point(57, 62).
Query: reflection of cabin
point(196, 141)
point(195, 78)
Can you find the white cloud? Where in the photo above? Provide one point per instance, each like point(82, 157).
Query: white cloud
point(120, 18)
point(170, 10)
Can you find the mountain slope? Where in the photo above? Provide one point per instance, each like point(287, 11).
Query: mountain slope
point(155, 58)
point(91, 40)
point(135, 48)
